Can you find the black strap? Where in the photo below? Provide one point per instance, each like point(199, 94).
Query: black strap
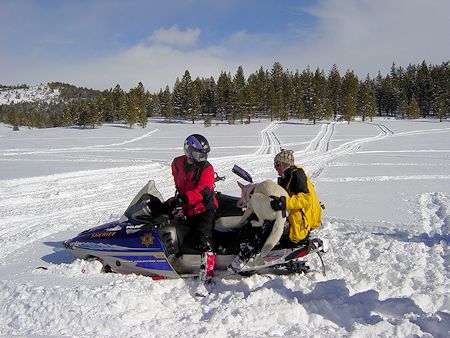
point(314, 245)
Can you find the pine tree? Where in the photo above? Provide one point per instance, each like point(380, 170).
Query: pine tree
point(366, 103)
point(93, 115)
point(348, 108)
point(389, 98)
point(87, 114)
point(250, 104)
point(423, 89)
point(251, 92)
point(403, 105)
point(349, 95)
point(442, 107)
point(15, 121)
point(276, 103)
point(320, 91)
point(288, 98)
point(307, 84)
point(328, 111)
point(209, 97)
point(334, 90)
point(177, 98)
point(379, 95)
point(195, 104)
point(224, 84)
point(183, 97)
point(170, 112)
point(140, 102)
point(317, 109)
point(409, 84)
point(440, 82)
point(165, 101)
point(238, 90)
point(81, 114)
point(67, 119)
point(258, 92)
point(414, 109)
point(320, 84)
point(186, 94)
point(107, 106)
point(394, 89)
point(300, 108)
point(132, 109)
point(119, 102)
point(264, 79)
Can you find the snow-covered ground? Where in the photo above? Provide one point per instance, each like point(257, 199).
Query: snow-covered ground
point(32, 94)
point(386, 186)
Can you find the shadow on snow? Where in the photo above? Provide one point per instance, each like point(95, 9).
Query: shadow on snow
point(59, 255)
point(332, 300)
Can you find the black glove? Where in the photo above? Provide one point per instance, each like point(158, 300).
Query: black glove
point(170, 201)
point(181, 199)
point(278, 203)
point(169, 205)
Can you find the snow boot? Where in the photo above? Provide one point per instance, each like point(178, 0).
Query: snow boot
point(236, 265)
point(208, 260)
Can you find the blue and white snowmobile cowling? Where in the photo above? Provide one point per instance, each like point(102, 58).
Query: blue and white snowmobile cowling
point(130, 245)
point(125, 248)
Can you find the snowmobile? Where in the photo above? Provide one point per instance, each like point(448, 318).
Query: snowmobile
point(145, 241)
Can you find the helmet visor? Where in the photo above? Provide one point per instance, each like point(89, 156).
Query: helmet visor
point(199, 156)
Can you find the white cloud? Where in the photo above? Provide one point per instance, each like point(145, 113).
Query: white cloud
point(367, 35)
point(175, 37)
point(155, 66)
point(362, 35)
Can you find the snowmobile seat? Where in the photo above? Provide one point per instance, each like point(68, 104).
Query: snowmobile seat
point(228, 214)
point(227, 206)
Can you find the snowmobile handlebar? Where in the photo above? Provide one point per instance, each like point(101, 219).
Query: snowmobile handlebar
point(218, 178)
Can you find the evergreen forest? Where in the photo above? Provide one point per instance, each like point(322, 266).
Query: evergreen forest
point(417, 91)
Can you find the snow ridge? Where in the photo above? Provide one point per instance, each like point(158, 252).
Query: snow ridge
point(41, 93)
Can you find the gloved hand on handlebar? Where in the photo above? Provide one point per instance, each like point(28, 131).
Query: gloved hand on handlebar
point(174, 202)
point(278, 203)
point(182, 199)
point(169, 205)
point(170, 202)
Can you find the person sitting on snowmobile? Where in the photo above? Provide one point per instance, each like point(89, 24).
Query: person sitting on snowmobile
point(305, 209)
point(303, 204)
point(194, 183)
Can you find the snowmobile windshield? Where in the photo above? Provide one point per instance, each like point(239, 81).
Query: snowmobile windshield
point(146, 204)
point(242, 173)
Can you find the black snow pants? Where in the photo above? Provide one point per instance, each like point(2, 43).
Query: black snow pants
point(196, 233)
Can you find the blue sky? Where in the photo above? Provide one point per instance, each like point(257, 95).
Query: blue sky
point(101, 43)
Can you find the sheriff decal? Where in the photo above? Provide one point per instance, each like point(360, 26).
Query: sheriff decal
point(147, 239)
point(104, 234)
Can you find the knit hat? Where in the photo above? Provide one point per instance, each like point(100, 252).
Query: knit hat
point(285, 156)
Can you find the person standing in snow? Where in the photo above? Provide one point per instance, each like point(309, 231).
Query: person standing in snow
point(304, 206)
point(194, 183)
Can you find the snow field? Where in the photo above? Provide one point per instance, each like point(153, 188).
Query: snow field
point(385, 185)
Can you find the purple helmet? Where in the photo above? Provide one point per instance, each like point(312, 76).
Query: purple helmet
point(196, 147)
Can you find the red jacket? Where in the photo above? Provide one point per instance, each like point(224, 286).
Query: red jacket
point(195, 184)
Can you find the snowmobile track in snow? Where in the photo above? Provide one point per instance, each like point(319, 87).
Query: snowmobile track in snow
point(270, 143)
point(318, 153)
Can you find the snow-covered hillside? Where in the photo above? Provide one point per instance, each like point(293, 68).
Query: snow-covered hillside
point(385, 185)
point(31, 94)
